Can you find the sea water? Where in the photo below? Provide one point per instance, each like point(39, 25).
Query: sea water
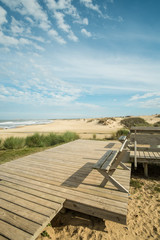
point(5, 124)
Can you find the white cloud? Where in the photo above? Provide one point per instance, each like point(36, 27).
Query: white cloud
point(7, 40)
point(29, 20)
point(85, 21)
point(56, 36)
point(31, 8)
point(86, 33)
point(146, 95)
point(151, 103)
point(72, 36)
point(60, 21)
point(89, 4)
point(146, 100)
point(3, 14)
point(37, 38)
point(64, 5)
point(16, 26)
point(65, 27)
point(81, 21)
point(34, 10)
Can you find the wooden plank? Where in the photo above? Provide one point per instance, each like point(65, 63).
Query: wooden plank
point(110, 160)
point(21, 211)
point(3, 238)
point(55, 168)
point(48, 180)
point(107, 194)
point(77, 196)
point(18, 221)
point(41, 195)
point(26, 204)
point(29, 197)
point(97, 212)
point(37, 178)
point(28, 214)
point(59, 179)
point(102, 159)
point(53, 183)
point(12, 232)
point(145, 129)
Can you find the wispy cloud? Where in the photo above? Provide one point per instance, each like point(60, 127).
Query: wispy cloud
point(65, 27)
point(30, 8)
point(144, 96)
point(35, 15)
point(3, 14)
point(151, 103)
point(56, 36)
point(16, 27)
point(85, 32)
point(89, 4)
point(146, 100)
point(64, 5)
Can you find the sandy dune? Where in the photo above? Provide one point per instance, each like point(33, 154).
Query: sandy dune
point(84, 127)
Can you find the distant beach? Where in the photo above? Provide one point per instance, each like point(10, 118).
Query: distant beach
point(9, 124)
point(100, 128)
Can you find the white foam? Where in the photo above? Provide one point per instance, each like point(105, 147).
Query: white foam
point(17, 123)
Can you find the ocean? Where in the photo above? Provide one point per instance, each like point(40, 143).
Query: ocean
point(7, 124)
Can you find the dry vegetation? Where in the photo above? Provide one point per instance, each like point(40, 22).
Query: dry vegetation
point(106, 121)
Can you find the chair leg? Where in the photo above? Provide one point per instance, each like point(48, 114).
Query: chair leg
point(145, 169)
point(117, 184)
point(108, 177)
point(124, 166)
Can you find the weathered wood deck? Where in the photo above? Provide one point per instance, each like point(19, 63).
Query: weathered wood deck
point(33, 189)
point(146, 157)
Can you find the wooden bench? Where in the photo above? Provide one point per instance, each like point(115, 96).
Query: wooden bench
point(109, 162)
point(145, 146)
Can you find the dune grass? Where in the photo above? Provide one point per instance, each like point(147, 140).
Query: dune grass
point(134, 122)
point(14, 147)
point(14, 143)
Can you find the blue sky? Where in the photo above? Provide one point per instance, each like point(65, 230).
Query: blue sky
point(79, 58)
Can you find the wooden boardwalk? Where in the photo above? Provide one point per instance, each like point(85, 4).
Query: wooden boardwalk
point(33, 189)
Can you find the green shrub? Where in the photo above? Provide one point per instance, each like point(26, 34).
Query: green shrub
point(36, 140)
point(94, 136)
point(123, 131)
point(69, 136)
point(157, 124)
point(14, 143)
point(134, 122)
point(53, 139)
